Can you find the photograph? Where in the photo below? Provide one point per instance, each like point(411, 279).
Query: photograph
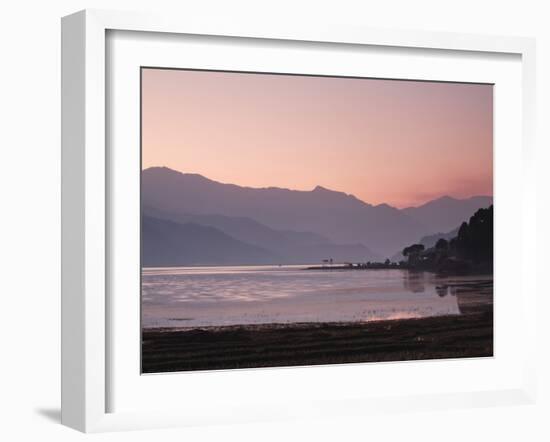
point(298, 220)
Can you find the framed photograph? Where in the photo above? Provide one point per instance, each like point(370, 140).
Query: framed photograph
point(276, 223)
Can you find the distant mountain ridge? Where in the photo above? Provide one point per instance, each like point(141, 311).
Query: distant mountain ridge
point(445, 213)
point(339, 217)
point(283, 220)
point(285, 247)
point(166, 243)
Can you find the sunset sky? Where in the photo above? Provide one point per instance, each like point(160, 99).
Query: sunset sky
point(396, 142)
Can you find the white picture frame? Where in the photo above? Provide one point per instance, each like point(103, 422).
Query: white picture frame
point(86, 204)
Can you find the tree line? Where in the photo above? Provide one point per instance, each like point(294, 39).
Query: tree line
point(470, 251)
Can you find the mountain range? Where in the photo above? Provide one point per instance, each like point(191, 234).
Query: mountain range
point(441, 214)
point(166, 243)
point(277, 225)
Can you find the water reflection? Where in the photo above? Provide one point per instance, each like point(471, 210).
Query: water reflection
point(414, 281)
point(446, 289)
point(191, 297)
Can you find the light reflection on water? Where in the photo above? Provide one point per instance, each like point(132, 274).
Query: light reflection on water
point(203, 296)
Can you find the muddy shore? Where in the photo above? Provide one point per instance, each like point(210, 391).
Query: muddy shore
point(469, 334)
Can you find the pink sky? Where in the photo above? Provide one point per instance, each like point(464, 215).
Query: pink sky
point(396, 142)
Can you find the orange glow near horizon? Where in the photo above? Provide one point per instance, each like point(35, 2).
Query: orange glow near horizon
point(384, 141)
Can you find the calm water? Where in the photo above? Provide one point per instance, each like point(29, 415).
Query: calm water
point(202, 296)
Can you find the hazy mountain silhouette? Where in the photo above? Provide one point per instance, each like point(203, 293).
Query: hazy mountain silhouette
point(242, 228)
point(337, 217)
point(166, 243)
point(446, 213)
point(288, 246)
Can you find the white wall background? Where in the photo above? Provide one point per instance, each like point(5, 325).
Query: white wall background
point(30, 219)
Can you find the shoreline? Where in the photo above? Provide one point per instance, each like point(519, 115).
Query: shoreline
point(284, 325)
point(466, 335)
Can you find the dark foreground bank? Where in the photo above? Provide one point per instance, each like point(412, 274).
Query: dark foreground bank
point(273, 345)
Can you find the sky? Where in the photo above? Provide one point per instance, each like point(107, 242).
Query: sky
point(397, 142)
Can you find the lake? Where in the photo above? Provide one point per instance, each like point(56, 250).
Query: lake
point(186, 297)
